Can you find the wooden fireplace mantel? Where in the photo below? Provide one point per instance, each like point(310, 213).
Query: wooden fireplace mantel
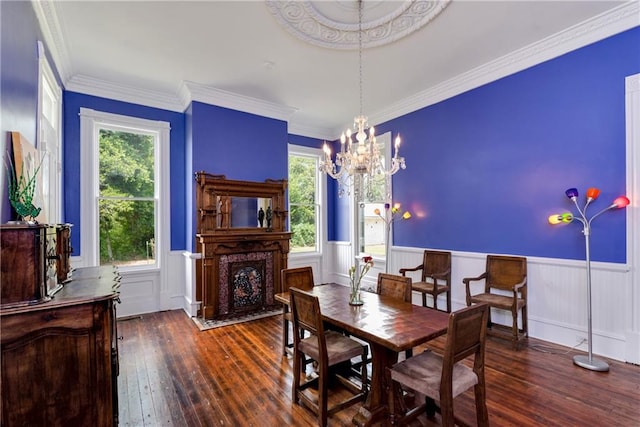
point(239, 271)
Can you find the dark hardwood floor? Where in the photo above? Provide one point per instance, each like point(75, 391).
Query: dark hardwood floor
point(173, 374)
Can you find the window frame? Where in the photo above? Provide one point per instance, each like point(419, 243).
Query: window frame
point(50, 151)
point(91, 122)
point(321, 214)
point(384, 141)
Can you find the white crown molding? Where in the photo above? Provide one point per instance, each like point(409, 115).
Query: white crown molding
point(105, 89)
point(615, 21)
point(52, 31)
point(312, 131)
point(210, 95)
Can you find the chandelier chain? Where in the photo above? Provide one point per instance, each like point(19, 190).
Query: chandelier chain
point(360, 161)
point(360, 52)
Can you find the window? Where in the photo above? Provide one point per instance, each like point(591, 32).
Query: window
point(126, 197)
point(126, 169)
point(49, 125)
point(305, 216)
point(371, 227)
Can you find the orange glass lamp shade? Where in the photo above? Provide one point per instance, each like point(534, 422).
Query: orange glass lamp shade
point(592, 193)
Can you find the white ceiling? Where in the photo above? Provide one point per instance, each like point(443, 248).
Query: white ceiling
point(166, 53)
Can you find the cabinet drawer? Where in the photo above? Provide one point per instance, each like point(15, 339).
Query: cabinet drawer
point(79, 317)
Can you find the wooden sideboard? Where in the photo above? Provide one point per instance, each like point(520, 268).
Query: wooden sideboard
point(60, 357)
point(243, 243)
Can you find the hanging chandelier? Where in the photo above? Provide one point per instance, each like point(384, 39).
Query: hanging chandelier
point(361, 159)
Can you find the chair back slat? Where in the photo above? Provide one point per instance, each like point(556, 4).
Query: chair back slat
point(300, 277)
point(305, 309)
point(395, 286)
point(466, 334)
point(435, 262)
point(503, 271)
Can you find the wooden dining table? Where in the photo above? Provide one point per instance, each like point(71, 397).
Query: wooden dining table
point(388, 325)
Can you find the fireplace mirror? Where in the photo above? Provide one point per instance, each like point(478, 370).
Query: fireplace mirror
point(230, 206)
point(248, 211)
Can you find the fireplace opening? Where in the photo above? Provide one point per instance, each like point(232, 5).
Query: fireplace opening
point(247, 287)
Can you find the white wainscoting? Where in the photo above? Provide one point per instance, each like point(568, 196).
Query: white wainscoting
point(557, 295)
point(315, 261)
point(190, 304)
point(557, 298)
point(139, 293)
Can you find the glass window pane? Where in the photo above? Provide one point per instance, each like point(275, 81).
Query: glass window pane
point(302, 180)
point(126, 164)
point(371, 228)
point(303, 206)
point(303, 225)
point(127, 232)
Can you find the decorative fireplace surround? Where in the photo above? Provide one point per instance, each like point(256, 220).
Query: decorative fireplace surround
point(242, 250)
point(246, 282)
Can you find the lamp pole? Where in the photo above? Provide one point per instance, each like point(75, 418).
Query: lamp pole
point(587, 362)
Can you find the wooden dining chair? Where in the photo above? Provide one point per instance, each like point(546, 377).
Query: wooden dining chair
point(395, 286)
point(328, 348)
point(443, 377)
point(435, 277)
point(505, 288)
point(398, 287)
point(301, 278)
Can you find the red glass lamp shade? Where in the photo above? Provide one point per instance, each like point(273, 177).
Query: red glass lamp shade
point(621, 202)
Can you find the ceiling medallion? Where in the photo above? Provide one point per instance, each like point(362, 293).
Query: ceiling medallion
point(334, 24)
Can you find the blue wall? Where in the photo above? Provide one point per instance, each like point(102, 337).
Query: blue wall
point(486, 168)
point(19, 35)
point(71, 104)
point(239, 145)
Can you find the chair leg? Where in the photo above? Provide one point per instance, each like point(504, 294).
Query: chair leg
point(430, 407)
point(323, 412)
point(482, 414)
point(296, 376)
point(363, 371)
point(446, 411)
point(514, 329)
point(424, 299)
point(435, 300)
point(525, 327)
point(285, 335)
point(449, 301)
point(392, 396)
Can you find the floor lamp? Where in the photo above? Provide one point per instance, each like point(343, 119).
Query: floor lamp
point(587, 362)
